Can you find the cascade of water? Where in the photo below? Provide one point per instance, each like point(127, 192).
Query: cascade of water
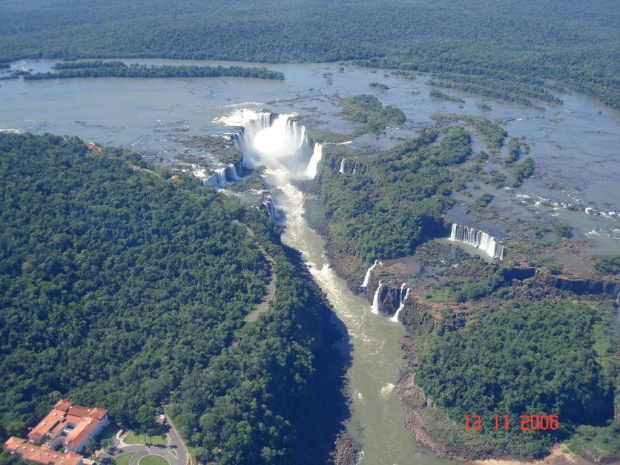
point(355, 167)
point(222, 176)
point(271, 209)
point(478, 239)
point(367, 277)
point(232, 172)
point(266, 138)
point(217, 179)
point(375, 300)
point(296, 131)
point(402, 302)
point(314, 160)
point(342, 165)
point(240, 143)
point(251, 124)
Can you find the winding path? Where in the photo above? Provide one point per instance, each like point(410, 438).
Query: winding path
point(271, 287)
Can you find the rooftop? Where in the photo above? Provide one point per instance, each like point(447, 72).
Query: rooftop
point(38, 432)
point(65, 414)
point(71, 424)
point(80, 432)
point(41, 454)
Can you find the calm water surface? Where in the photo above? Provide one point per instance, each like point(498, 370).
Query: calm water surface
point(576, 145)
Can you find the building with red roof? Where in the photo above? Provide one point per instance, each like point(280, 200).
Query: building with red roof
point(66, 425)
point(41, 454)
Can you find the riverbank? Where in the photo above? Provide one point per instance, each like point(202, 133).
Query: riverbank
point(347, 450)
point(558, 456)
point(434, 275)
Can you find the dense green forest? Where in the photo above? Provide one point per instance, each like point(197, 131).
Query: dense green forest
point(607, 264)
point(369, 110)
point(523, 359)
point(395, 201)
point(525, 40)
point(121, 288)
point(87, 64)
point(94, 69)
point(521, 41)
point(494, 136)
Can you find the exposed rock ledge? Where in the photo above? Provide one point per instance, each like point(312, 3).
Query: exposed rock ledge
point(576, 285)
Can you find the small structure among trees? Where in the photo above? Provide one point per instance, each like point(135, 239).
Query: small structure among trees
point(67, 425)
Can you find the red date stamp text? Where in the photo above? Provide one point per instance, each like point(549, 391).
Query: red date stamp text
point(527, 423)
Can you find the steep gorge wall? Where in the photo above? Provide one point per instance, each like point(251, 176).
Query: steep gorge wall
point(576, 285)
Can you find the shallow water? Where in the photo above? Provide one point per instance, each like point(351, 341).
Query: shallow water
point(575, 146)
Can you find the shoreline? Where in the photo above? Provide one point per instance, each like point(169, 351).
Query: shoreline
point(407, 390)
point(412, 398)
point(556, 457)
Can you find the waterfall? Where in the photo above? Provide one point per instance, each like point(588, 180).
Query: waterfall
point(265, 138)
point(402, 302)
point(343, 167)
point(234, 171)
point(217, 179)
point(314, 161)
point(223, 176)
point(478, 239)
point(271, 209)
point(375, 300)
point(296, 131)
point(367, 277)
point(269, 205)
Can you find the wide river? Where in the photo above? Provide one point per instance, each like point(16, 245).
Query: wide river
point(575, 147)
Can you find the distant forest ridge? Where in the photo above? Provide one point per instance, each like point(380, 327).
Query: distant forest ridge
point(521, 41)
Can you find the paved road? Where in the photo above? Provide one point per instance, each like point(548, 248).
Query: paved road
point(180, 458)
point(142, 451)
point(175, 440)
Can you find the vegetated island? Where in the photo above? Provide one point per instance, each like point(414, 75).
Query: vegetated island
point(379, 86)
point(525, 337)
point(123, 286)
point(367, 109)
point(525, 91)
point(441, 96)
point(118, 69)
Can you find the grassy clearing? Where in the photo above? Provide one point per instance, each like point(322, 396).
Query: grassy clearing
point(133, 438)
point(153, 460)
